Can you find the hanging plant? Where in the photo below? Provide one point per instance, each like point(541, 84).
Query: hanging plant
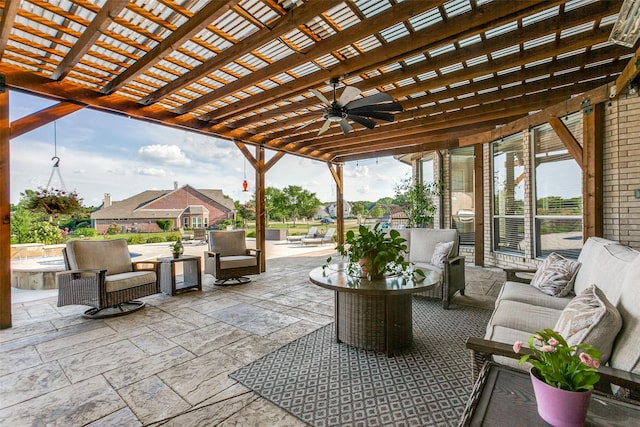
point(52, 201)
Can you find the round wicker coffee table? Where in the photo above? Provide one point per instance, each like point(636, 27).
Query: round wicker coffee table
point(373, 314)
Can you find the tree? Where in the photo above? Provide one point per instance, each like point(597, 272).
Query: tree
point(417, 201)
point(300, 203)
point(20, 225)
point(275, 204)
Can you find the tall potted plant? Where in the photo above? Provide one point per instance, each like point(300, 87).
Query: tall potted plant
point(417, 201)
point(373, 252)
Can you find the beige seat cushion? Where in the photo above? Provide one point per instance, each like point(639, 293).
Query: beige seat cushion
point(119, 282)
point(524, 292)
point(590, 318)
point(238, 261)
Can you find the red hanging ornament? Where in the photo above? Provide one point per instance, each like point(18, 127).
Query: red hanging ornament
point(245, 184)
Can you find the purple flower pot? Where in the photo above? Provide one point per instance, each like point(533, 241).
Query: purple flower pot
point(560, 408)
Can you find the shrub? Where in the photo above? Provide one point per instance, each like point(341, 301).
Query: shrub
point(172, 237)
point(155, 239)
point(44, 232)
point(85, 231)
point(137, 239)
point(251, 234)
point(165, 224)
point(114, 229)
point(20, 226)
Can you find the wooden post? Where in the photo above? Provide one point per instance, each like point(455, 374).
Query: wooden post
point(261, 222)
point(592, 175)
point(5, 215)
point(478, 193)
point(338, 178)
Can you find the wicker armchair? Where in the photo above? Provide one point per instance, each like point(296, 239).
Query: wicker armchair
point(228, 258)
point(100, 274)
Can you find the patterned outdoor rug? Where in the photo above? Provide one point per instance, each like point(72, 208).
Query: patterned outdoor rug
point(329, 384)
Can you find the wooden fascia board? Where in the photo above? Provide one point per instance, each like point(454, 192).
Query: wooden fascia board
point(40, 118)
point(567, 139)
point(419, 41)
point(594, 96)
point(100, 22)
point(291, 20)
point(432, 146)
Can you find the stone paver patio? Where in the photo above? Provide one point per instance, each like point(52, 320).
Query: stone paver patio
point(168, 364)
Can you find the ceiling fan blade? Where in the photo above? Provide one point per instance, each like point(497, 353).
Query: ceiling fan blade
point(348, 94)
point(320, 96)
point(324, 127)
point(368, 123)
point(391, 106)
point(346, 127)
point(305, 125)
point(368, 100)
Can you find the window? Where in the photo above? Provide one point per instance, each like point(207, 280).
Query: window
point(558, 193)
point(508, 194)
point(462, 193)
point(196, 222)
point(185, 221)
point(206, 222)
point(426, 166)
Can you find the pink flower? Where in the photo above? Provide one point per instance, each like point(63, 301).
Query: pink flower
point(517, 346)
point(553, 342)
point(589, 361)
point(548, 348)
point(538, 337)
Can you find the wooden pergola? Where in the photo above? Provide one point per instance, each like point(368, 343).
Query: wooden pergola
point(464, 71)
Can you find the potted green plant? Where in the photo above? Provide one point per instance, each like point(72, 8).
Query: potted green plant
point(374, 252)
point(177, 249)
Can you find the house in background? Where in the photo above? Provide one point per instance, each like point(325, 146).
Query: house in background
point(186, 206)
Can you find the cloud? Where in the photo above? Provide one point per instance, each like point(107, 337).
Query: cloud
point(151, 172)
point(168, 154)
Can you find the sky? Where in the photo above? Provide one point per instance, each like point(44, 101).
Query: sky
point(105, 153)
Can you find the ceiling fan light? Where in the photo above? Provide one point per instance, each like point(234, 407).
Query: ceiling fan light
point(334, 118)
point(626, 29)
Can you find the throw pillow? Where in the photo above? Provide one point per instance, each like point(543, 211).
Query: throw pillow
point(441, 253)
point(556, 275)
point(590, 318)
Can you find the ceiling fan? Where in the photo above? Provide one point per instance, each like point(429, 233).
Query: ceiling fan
point(361, 110)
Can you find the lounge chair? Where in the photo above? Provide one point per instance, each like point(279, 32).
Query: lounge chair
point(100, 274)
point(313, 232)
point(327, 238)
point(200, 234)
point(228, 258)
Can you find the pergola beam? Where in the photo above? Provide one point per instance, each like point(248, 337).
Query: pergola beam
point(209, 13)
point(38, 119)
point(101, 22)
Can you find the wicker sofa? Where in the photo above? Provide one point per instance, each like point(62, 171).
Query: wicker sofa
point(422, 244)
point(522, 309)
